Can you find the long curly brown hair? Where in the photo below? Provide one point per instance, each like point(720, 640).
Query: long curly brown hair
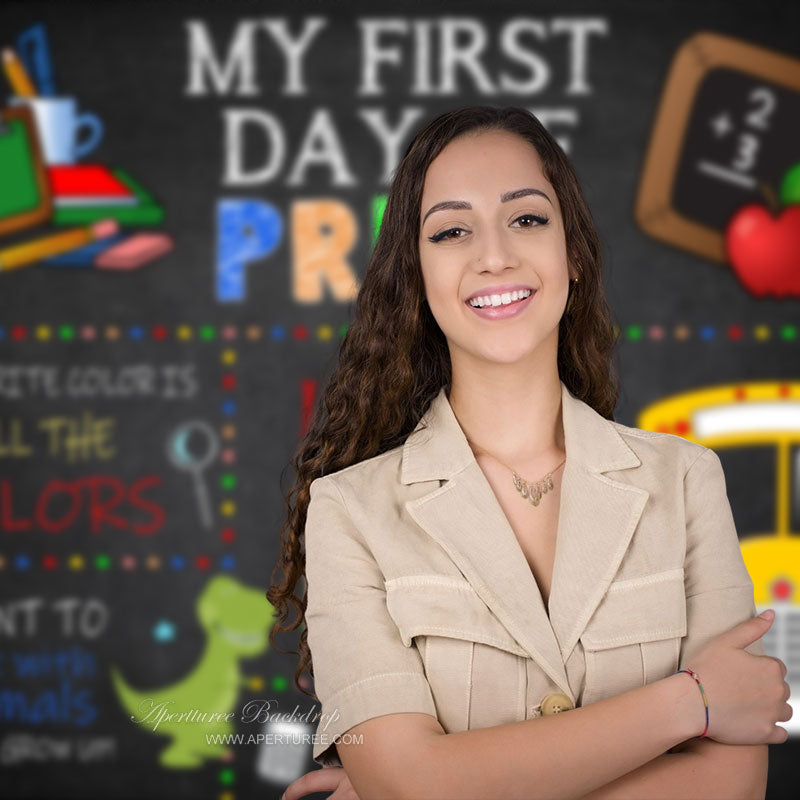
point(394, 357)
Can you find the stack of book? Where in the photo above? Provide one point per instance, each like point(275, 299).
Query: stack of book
point(90, 192)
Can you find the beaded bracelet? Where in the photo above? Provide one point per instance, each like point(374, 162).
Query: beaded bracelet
point(694, 675)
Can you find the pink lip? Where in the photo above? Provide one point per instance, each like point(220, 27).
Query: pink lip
point(503, 312)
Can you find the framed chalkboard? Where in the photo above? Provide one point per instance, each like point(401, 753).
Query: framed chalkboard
point(726, 130)
point(24, 190)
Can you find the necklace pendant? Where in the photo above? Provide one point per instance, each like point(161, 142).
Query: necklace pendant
point(533, 492)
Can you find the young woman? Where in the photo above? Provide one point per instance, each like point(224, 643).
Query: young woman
point(502, 582)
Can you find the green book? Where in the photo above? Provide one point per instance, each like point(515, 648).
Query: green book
point(146, 211)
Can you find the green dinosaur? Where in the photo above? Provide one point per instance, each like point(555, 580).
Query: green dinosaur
point(237, 620)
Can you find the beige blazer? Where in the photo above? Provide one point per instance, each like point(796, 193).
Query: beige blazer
point(421, 599)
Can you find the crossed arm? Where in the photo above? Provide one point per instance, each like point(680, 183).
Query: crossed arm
point(698, 769)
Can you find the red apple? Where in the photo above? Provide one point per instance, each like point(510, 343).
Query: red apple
point(764, 250)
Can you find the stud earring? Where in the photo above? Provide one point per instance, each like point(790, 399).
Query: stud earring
point(573, 282)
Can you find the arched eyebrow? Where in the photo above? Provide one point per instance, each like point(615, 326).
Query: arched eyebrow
point(460, 205)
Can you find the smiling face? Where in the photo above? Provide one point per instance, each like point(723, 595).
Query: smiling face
point(493, 239)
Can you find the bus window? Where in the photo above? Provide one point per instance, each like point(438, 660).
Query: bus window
point(750, 480)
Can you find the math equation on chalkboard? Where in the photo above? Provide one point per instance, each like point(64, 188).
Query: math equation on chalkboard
point(743, 133)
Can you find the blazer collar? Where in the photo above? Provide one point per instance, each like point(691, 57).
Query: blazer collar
point(597, 517)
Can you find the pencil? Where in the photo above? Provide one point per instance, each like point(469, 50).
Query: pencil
point(21, 255)
point(17, 74)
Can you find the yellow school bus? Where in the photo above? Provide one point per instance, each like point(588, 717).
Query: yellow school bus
point(764, 415)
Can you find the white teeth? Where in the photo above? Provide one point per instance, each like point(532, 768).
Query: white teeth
point(499, 299)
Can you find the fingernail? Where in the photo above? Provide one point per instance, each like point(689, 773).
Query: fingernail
point(768, 614)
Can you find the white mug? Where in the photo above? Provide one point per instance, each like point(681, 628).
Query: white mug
point(59, 126)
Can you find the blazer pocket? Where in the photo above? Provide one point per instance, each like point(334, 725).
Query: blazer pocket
point(634, 636)
point(475, 668)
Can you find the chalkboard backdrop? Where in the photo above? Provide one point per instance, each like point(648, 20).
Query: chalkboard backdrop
point(157, 370)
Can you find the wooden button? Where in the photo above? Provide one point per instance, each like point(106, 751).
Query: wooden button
point(556, 703)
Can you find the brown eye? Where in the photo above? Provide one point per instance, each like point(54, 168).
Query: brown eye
point(539, 219)
point(444, 235)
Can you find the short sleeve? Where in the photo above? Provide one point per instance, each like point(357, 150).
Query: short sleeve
point(719, 590)
point(362, 669)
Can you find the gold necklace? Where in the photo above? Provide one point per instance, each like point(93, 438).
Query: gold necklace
point(530, 491)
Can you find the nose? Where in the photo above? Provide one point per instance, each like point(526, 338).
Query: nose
point(494, 251)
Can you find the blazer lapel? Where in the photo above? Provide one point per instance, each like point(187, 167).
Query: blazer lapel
point(597, 518)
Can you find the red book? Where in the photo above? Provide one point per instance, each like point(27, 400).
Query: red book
point(87, 185)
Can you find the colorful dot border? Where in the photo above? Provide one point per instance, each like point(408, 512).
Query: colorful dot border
point(632, 332)
point(68, 332)
point(227, 478)
point(681, 332)
point(102, 562)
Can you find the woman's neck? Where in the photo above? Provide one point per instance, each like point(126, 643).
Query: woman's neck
point(519, 423)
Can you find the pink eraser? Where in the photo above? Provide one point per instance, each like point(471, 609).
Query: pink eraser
point(104, 228)
point(134, 251)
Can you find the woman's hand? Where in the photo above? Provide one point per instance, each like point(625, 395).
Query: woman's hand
point(327, 779)
point(747, 694)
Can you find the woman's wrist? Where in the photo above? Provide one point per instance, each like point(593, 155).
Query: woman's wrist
point(696, 678)
point(683, 697)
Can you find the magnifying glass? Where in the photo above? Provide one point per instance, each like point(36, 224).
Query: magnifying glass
point(183, 458)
